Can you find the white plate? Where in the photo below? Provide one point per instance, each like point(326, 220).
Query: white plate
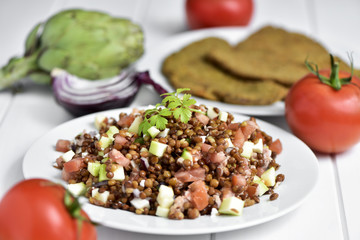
point(296, 160)
point(154, 57)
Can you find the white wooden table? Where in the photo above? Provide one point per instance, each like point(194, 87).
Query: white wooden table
point(331, 211)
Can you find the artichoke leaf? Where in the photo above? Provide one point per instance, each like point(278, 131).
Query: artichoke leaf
point(89, 44)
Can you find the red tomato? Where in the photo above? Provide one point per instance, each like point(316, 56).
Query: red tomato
point(217, 13)
point(35, 209)
point(327, 120)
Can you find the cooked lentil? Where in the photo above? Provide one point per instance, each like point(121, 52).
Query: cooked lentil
point(214, 161)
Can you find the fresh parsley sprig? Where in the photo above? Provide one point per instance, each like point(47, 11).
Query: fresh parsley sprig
point(172, 105)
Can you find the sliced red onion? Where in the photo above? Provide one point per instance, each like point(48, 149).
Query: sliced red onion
point(81, 96)
point(145, 162)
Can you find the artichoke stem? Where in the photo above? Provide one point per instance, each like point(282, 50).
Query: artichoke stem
point(16, 69)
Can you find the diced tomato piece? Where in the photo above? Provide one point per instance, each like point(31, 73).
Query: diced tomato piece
point(251, 190)
point(248, 127)
point(66, 176)
point(199, 195)
point(205, 147)
point(190, 175)
point(238, 180)
point(63, 145)
point(217, 157)
point(74, 165)
point(120, 141)
point(202, 118)
point(276, 146)
point(126, 121)
point(59, 162)
point(135, 111)
point(239, 139)
point(234, 126)
point(119, 158)
point(260, 171)
point(227, 192)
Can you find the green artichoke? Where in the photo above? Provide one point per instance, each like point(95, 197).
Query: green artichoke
point(88, 44)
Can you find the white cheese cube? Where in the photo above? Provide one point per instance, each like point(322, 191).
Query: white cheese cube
point(119, 173)
point(102, 197)
point(211, 113)
point(223, 116)
point(164, 132)
point(99, 121)
point(247, 149)
point(77, 189)
point(139, 203)
point(68, 155)
point(259, 146)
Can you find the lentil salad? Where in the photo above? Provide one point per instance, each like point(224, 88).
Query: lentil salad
point(203, 163)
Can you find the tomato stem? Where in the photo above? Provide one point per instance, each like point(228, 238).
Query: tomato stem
point(333, 81)
point(73, 206)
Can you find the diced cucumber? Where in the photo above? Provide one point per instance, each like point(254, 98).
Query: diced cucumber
point(68, 155)
point(153, 131)
point(186, 155)
point(134, 127)
point(162, 211)
point(269, 177)
point(104, 159)
point(77, 189)
point(99, 121)
point(164, 132)
point(111, 132)
point(102, 197)
point(139, 203)
point(102, 173)
point(157, 148)
point(223, 116)
point(94, 168)
point(232, 206)
point(211, 113)
point(262, 188)
point(247, 149)
point(105, 142)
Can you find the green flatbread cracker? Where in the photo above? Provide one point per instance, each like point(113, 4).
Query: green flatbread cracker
point(273, 54)
point(189, 68)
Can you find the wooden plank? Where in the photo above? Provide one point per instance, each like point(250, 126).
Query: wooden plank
point(291, 15)
point(334, 22)
point(348, 165)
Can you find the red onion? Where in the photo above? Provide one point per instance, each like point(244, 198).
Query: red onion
point(81, 96)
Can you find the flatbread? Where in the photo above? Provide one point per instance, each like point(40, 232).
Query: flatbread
point(189, 68)
point(273, 54)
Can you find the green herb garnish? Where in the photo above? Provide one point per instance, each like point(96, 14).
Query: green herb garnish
point(171, 105)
